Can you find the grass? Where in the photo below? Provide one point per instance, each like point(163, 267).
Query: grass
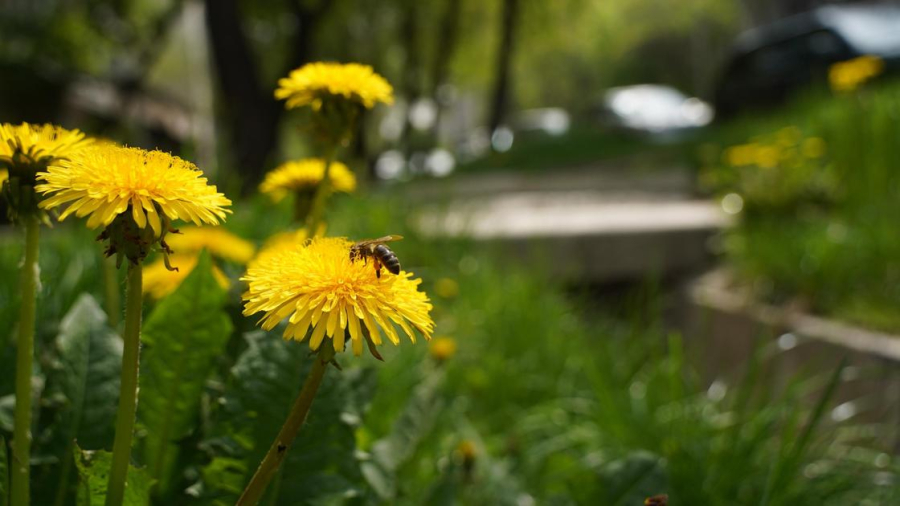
point(827, 240)
point(540, 404)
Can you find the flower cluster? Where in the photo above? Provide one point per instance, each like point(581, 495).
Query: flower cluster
point(317, 286)
point(305, 176)
point(774, 171)
point(848, 75)
point(314, 83)
point(26, 150)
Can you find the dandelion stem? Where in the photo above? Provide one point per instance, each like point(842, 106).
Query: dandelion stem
point(121, 457)
point(21, 446)
point(320, 200)
point(278, 451)
point(111, 290)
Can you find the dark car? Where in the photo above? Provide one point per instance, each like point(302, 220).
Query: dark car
point(771, 62)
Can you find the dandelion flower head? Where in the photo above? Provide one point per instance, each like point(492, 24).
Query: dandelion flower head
point(306, 175)
point(159, 281)
point(317, 286)
point(850, 74)
point(34, 144)
point(219, 242)
point(106, 181)
point(442, 348)
point(315, 82)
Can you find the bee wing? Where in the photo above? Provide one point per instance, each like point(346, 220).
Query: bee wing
point(369, 242)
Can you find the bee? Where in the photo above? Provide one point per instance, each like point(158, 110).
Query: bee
point(381, 255)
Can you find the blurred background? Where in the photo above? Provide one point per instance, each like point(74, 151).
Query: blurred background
point(673, 222)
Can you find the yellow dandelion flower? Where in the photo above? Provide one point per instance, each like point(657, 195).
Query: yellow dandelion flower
point(741, 155)
point(159, 281)
point(447, 288)
point(218, 241)
point(313, 82)
point(106, 181)
point(442, 348)
point(30, 144)
point(305, 175)
point(318, 286)
point(767, 156)
point(813, 147)
point(849, 75)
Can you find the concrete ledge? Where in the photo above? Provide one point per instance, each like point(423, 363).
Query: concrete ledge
point(581, 236)
point(725, 326)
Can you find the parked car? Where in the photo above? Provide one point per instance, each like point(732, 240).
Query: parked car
point(652, 109)
point(771, 62)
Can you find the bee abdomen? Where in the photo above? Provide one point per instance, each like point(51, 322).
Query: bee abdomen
point(388, 259)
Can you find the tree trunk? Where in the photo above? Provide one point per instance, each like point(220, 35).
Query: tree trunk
point(501, 95)
point(446, 45)
point(248, 106)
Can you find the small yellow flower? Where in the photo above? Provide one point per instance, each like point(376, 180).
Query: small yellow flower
point(313, 82)
point(106, 181)
point(159, 281)
point(466, 450)
point(848, 75)
point(767, 156)
point(741, 155)
point(447, 288)
point(219, 242)
point(813, 147)
point(33, 144)
point(317, 286)
point(305, 175)
point(442, 348)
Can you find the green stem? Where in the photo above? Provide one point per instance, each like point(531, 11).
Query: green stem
point(121, 456)
point(21, 447)
point(323, 191)
point(111, 290)
point(278, 451)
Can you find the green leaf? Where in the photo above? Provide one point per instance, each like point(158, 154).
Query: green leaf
point(83, 387)
point(183, 336)
point(4, 474)
point(93, 475)
point(86, 381)
point(415, 422)
point(263, 385)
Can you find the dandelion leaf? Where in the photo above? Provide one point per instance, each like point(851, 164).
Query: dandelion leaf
point(262, 386)
point(182, 338)
point(93, 475)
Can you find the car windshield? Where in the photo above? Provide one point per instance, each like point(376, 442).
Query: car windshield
point(872, 30)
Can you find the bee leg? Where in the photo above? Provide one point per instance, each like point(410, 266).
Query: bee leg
point(377, 267)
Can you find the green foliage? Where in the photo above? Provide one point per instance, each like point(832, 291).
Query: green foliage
point(260, 390)
point(4, 473)
point(93, 475)
point(174, 369)
point(87, 377)
point(84, 386)
point(821, 232)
